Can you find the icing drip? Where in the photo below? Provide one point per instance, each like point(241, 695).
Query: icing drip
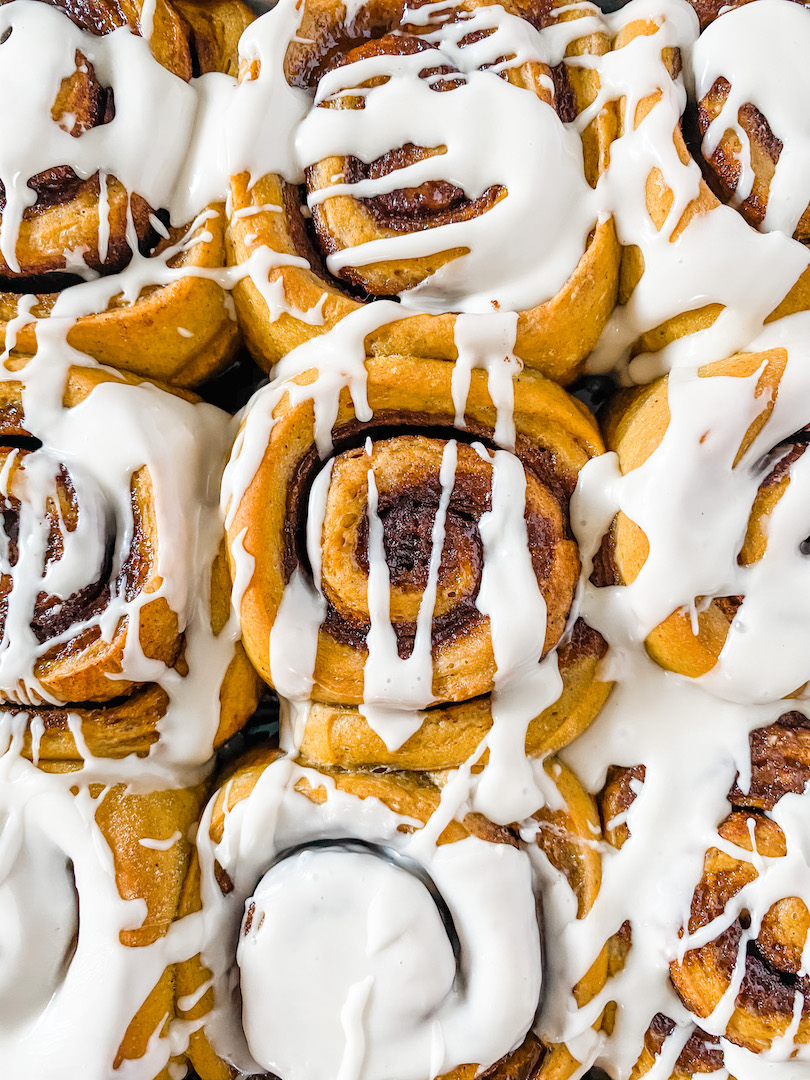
point(145, 143)
point(397, 687)
point(62, 919)
point(511, 598)
point(388, 680)
point(716, 258)
point(694, 512)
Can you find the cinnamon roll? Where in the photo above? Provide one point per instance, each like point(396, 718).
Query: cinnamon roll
point(711, 191)
point(425, 155)
point(90, 880)
point(110, 234)
point(727, 442)
point(742, 974)
point(739, 971)
point(738, 111)
point(296, 866)
point(679, 1053)
point(390, 556)
point(566, 836)
point(104, 635)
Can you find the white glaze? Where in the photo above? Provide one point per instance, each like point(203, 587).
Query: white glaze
point(410, 1027)
point(66, 980)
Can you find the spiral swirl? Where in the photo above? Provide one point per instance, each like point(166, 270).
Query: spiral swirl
point(102, 624)
point(72, 562)
point(743, 129)
point(740, 151)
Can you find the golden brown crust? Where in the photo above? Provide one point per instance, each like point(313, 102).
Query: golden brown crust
point(721, 173)
point(569, 837)
point(153, 876)
point(764, 1006)
point(85, 667)
point(115, 716)
point(339, 735)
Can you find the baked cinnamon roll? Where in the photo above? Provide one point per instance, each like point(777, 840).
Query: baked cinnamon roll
point(90, 879)
point(401, 570)
point(712, 189)
point(742, 974)
point(106, 629)
point(713, 469)
point(426, 155)
point(739, 970)
point(110, 233)
point(739, 110)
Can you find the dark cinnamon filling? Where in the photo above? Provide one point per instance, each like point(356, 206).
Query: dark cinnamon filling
point(721, 171)
point(605, 571)
point(786, 454)
point(536, 460)
point(308, 61)
point(148, 704)
point(407, 518)
point(701, 1053)
point(726, 946)
point(97, 18)
point(433, 203)
point(780, 763)
point(766, 990)
point(428, 205)
point(54, 187)
point(521, 1064)
point(583, 642)
point(617, 796)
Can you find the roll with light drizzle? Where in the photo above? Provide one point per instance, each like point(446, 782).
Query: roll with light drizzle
point(401, 569)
